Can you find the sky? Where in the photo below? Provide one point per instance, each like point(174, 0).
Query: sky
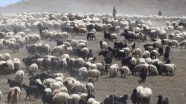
point(4, 3)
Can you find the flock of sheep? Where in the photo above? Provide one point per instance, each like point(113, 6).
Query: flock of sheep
point(27, 30)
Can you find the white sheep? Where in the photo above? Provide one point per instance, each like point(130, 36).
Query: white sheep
point(19, 75)
point(6, 56)
point(75, 98)
point(59, 75)
point(104, 45)
point(146, 54)
point(62, 89)
point(93, 66)
point(183, 43)
point(56, 85)
point(113, 70)
point(48, 81)
point(83, 95)
point(33, 68)
point(17, 63)
point(124, 70)
point(92, 101)
point(152, 70)
point(48, 90)
point(137, 52)
point(83, 72)
point(10, 92)
point(94, 73)
point(59, 79)
point(61, 98)
point(173, 43)
point(90, 86)
point(10, 64)
point(144, 94)
point(138, 68)
point(113, 36)
point(69, 82)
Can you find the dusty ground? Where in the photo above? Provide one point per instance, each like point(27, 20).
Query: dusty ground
point(172, 87)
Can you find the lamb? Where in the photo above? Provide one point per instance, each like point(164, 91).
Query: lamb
point(124, 70)
point(94, 73)
point(61, 97)
point(33, 68)
point(19, 76)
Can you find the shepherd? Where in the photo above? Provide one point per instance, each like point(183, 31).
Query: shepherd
point(114, 13)
point(159, 13)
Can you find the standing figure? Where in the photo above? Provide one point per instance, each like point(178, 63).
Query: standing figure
point(114, 13)
point(159, 13)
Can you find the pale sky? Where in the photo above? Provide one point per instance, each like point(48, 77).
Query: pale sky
point(4, 3)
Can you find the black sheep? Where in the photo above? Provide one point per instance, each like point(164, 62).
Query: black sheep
point(160, 50)
point(46, 97)
point(166, 55)
point(90, 54)
point(143, 75)
point(89, 95)
point(162, 100)
point(13, 83)
point(134, 97)
point(31, 90)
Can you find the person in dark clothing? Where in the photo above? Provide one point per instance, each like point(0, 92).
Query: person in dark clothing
point(160, 50)
point(114, 12)
point(143, 75)
point(133, 46)
point(159, 13)
point(167, 49)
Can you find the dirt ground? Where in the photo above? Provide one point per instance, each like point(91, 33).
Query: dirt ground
point(172, 87)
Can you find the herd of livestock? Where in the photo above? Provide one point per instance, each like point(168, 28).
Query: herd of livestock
point(74, 56)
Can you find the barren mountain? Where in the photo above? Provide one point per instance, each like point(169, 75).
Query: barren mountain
point(143, 7)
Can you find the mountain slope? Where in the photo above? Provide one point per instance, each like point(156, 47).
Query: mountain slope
point(144, 7)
